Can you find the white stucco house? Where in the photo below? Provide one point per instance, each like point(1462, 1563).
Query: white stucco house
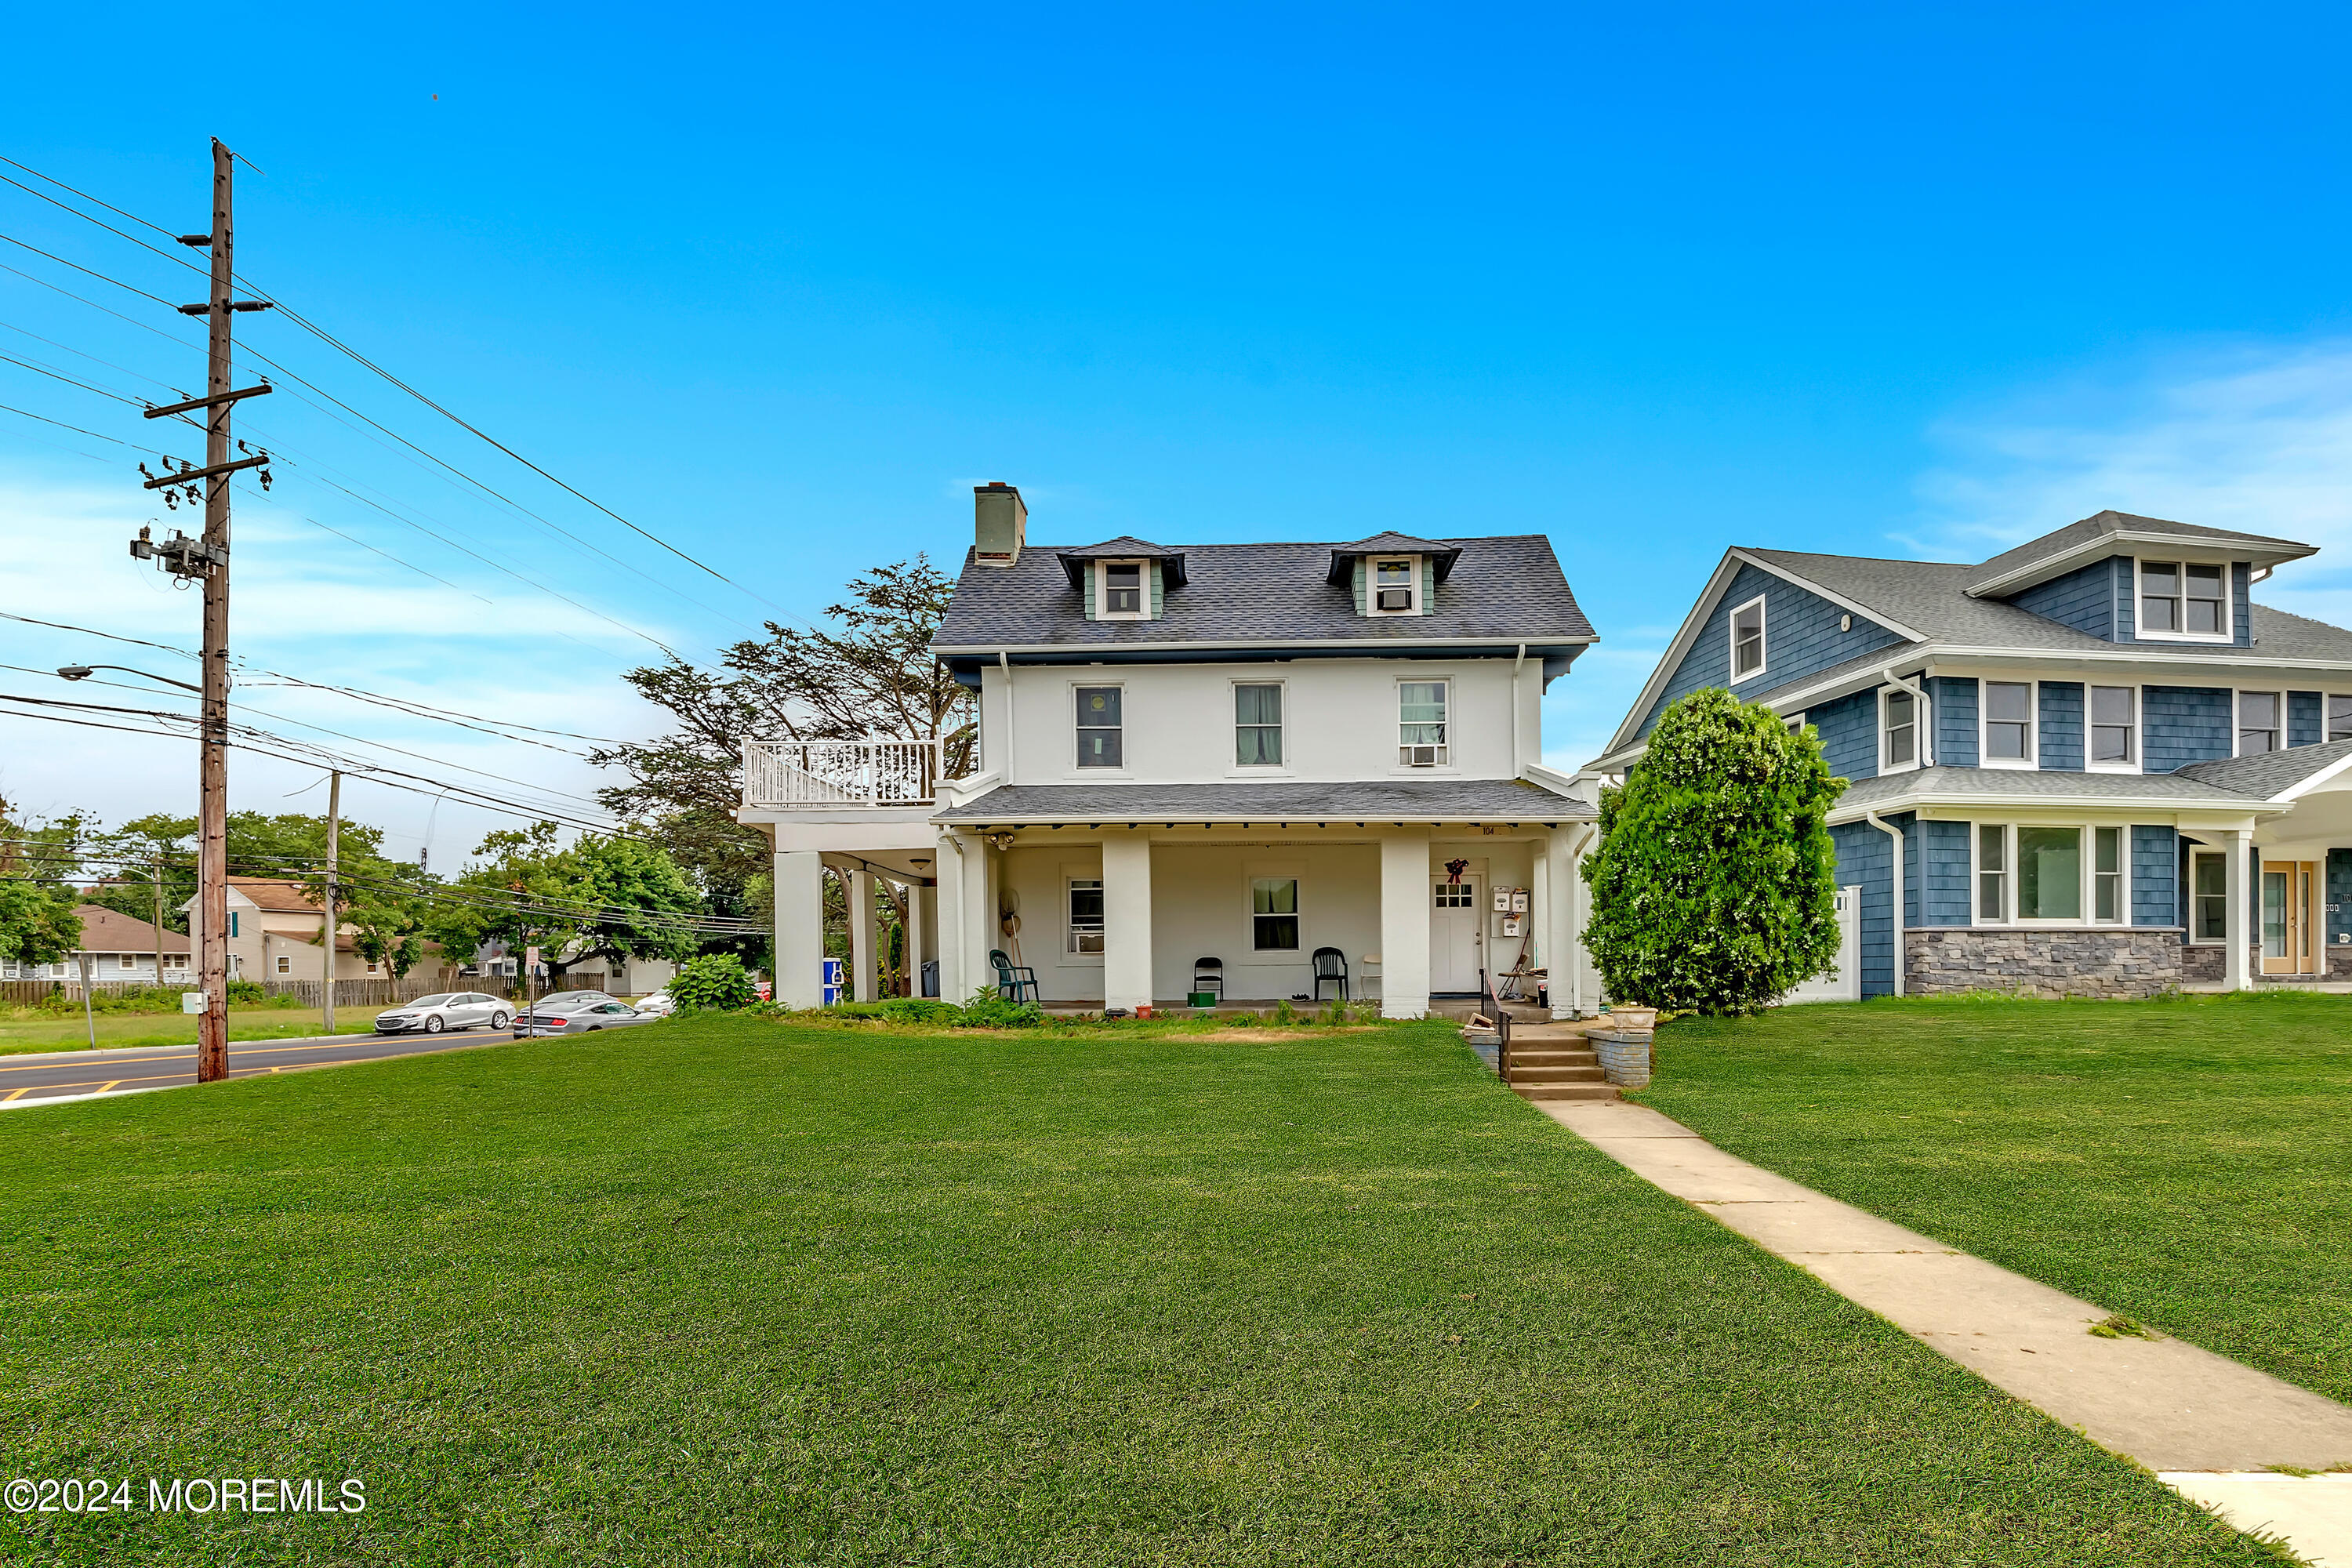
point(1288, 765)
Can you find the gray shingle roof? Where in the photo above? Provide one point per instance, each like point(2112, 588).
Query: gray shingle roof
point(1402, 800)
point(1946, 783)
point(2278, 634)
point(1126, 547)
point(2076, 535)
point(1505, 589)
point(2265, 774)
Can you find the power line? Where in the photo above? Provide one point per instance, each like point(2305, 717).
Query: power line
point(6, 408)
point(101, 277)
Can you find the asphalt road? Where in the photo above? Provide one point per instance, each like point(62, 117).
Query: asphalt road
point(29, 1079)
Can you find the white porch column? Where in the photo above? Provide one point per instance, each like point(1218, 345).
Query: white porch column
point(1562, 942)
point(2237, 966)
point(953, 869)
point(1127, 920)
point(918, 936)
point(977, 917)
point(865, 950)
point(1405, 922)
point(799, 980)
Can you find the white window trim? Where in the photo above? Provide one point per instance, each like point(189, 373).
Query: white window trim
point(2328, 700)
point(1125, 763)
point(2139, 763)
point(2237, 718)
point(1416, 579)
point(1103, 612)
point(1070, 953)
point(1251, 877)
point(1396, 725)
point(2032, 760)
point(1234, 769)
point(2189, 909)
point(2088, 921)
point(2229, 633)
point(1918, 731)
point(1763, 641)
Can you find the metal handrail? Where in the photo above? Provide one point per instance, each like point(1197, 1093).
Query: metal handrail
point(1502, 1027)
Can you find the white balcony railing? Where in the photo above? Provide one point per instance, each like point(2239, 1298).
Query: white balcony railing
point(815, 775)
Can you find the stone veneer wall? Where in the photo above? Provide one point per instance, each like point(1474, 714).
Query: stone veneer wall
point(2122, 962)
point(2201, 965)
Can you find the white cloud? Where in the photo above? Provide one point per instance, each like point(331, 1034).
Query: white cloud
point(2254, 437)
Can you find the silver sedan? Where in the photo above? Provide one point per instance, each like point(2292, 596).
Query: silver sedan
point(582, 1017)
point(451, 1010)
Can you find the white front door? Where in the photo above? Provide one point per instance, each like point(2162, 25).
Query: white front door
point(1457, 943)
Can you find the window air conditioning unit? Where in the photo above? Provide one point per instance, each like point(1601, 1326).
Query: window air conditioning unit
point(1422, 756)
point(1395, 598)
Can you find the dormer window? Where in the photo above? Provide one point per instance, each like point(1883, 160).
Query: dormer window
point(2184, 599)
point(1392, 587)
point(1122, 589)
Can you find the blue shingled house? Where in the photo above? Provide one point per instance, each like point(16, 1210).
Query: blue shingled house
point(2094, 764)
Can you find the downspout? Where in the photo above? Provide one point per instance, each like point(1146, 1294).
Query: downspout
point(1896, 834)
point(1917, 687)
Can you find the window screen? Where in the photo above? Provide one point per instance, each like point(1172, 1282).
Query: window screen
point(1099, 731)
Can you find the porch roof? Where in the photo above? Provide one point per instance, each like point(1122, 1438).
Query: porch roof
point(2273, 775)
point(2013, 786)
point(1400, 799)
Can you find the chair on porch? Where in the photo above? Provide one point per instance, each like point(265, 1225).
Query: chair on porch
point(1015, 982)
point(1209, 975)
point(1330, 969)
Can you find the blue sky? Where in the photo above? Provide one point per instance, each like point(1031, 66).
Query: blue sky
point(781, 284)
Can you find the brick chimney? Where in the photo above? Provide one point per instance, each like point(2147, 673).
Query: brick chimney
point(1000, 523)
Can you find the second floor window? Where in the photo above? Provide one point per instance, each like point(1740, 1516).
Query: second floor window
point(1123, 588)
point(2258, 723)
point(1099, 731)
point(2183, 599)
point(1258, 725)
point(1902, 747)
point(2339, 717)
point(1748, 640)
point(1421, 723)
point(2009, 721)
point(2115, 728)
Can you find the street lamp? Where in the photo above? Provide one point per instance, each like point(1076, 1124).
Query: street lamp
point(84, 671)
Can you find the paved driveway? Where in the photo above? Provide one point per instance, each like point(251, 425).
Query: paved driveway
point(31, 1078)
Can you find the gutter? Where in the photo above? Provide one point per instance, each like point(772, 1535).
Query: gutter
point(1900, 911)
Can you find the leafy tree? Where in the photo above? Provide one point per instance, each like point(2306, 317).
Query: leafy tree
point(1715, 882)
point(37, 925)
point(871, 674)
point(607, 897)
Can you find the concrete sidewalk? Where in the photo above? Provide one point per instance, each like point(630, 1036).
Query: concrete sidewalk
point(2210, 1426)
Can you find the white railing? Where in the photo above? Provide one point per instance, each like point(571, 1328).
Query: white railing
point(810, 775)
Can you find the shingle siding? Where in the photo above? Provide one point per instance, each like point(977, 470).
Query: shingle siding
point(2155, 876)
point(1849, 730)
point(1865, 858)
point(1956, 720)
point(1943, 897)
point(2061, 726)
point(2307, 718)
point(1801, 638)
point(2083, 599)
point(2185, 724)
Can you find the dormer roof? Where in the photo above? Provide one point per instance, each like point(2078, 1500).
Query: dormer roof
point(1126, 547)
point(1442, 555)
point(2118, 533)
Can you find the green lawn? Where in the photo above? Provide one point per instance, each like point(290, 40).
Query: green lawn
point(729, 1293)
point(2184, 1162)
point(25, 1030)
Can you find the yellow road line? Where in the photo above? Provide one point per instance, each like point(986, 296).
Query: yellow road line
point(250, 1047)
point(104, 1087)
point(5, 1098)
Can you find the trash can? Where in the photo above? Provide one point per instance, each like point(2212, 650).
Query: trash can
point(829, 986)
point(930, 977)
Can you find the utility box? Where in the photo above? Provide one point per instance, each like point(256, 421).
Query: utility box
point(829, 986)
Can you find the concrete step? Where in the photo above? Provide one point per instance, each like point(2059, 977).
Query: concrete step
point(1589, 1074)
point(1564, 1091)
point(1550, 1056)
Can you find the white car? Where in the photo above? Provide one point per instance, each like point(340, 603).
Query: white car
point(449, 1010)
point(660, 1004)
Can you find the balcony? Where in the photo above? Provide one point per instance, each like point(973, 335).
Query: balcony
point(839, 775)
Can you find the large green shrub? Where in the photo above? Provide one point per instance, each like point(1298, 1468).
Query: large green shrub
point(1715, 882)
point(715, 980)
point(989, 1009)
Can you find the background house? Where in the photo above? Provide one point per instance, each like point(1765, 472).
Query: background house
point(121, 950)
point(2092, 765)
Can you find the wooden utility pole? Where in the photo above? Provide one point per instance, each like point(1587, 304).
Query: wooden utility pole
point(334, 921)
point(212, 793)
